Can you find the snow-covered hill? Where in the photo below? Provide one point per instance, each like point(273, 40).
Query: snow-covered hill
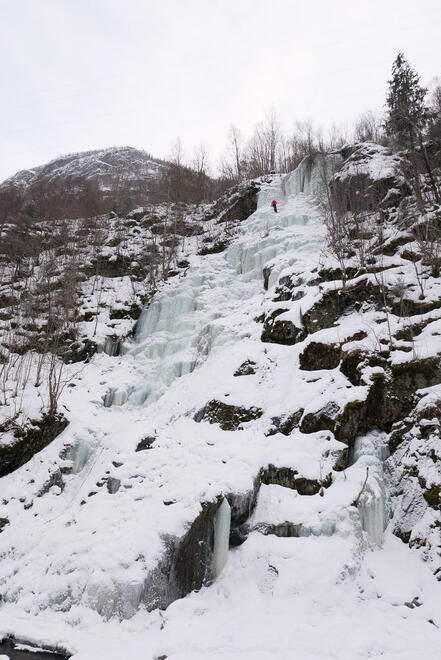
point(230, 468)
point(105, 166)
point(93, 182)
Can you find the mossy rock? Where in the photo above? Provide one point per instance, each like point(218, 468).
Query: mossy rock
point(318, 355)
point(398, 433)
point(326, 312)
point(332, 274)
point(409, 332)
point(390, 399)
point(411, 307)
point(351, 421)
point(227, 416)
point(417, 374)
point(433, 496)
point(108, 267)
point(351, 365)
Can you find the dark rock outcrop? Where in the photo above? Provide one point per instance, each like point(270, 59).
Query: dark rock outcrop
point(145, 443)
point(390, 399)
point(30, 440)
point(227, 416)
point(326, 312)
point(186, 564)
point(289, 478)
point(8, 648)
point(322, 420)
point(279, 331)
point(247, 368)
point(356, 188)
point(320, 356)
point(286, 423)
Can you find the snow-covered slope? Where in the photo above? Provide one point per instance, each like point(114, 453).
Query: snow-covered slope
point(137, 502)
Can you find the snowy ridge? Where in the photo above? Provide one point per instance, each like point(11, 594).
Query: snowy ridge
point(311, 564)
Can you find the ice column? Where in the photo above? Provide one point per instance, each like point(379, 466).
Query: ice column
point(369, 452)
point(222, 524)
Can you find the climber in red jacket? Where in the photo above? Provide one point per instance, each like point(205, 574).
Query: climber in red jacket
point(274, 205)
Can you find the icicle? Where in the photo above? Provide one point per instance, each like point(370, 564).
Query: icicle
point(222, 524)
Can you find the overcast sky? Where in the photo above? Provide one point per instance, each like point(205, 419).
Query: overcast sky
point(85, 74)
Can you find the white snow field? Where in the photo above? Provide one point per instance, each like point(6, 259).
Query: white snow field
point(74, 561)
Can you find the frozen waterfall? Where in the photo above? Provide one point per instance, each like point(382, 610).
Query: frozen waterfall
point(183, 324)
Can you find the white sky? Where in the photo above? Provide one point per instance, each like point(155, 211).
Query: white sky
point(85, 74)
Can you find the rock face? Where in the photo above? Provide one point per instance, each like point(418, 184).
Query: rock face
point(238, 204)
point(186, 564)
point(29, 441)
point(367, 178)
point(334, 303)
point(286, 423)
point(390, 399)
point(229, 418)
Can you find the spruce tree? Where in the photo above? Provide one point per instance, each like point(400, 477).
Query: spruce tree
point(406, 112)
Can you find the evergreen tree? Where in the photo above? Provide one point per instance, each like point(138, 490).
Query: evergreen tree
point(407, 113)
